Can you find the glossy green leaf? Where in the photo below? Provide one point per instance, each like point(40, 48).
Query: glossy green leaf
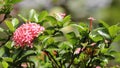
point(52, 20)
point(109, 56)
point(48, 41)
point(7, 59)
point(65, 45)
point(75, 25)
point(103, 23)
point(117, 38)
point(71, 37)
point(26, 54)
point(23, 18)
point(15, 22)
point(9, 44)
point(2, 51)
point(45, 39)
point(67, 19)
point(36, 17)
point(103, 34)
point(5, 64)
point(10, 25)
point(31, 14)
point(113, 30)
point(95, 37)
point(104, 50)
point(42, 15)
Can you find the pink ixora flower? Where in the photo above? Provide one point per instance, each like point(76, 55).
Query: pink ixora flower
point(25, 34)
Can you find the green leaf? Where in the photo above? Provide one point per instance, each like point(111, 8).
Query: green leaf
point(7, 59)
point(36, 17)
point(103, 24)
point(67, 19)
point(48, 41)
point(50, 30)
point(10, 25)
point(33, 15)
point(9, 44)
point(26, 54)
point(109, 56)
point(1, 29)
point(45, 39)
point(95, 37)
point(103, 34)
point(52, 20)
point(2, 51)
point(5, 64)
point(104, 50)
point(117, 38)
point(15, 22)
point(81, 29)
point(71, 37)
point(23, 18)
point(42, 15)
point(113, 30)
point(65, 45)
point(78, 26)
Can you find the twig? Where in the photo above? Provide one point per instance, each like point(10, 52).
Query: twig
point(73, 57)
point(4, 18)
point(91, 57)
point(52, 59)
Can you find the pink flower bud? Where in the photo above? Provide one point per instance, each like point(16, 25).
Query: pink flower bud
point(93, 44)
point(91, 20)
point(98, 67)
point(77, 51)
point(60, 16)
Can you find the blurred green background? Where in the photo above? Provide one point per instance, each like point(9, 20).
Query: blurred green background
point(80, 10)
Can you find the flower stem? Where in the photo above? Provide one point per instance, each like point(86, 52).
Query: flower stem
point(90, 25)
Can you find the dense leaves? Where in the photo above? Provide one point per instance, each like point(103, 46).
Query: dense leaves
point(63, 44)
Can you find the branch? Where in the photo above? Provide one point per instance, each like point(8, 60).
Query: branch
point(72, 60)
point(52, 59)
point(4, 18)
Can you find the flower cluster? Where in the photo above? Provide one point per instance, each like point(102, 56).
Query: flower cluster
point(25, 34)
